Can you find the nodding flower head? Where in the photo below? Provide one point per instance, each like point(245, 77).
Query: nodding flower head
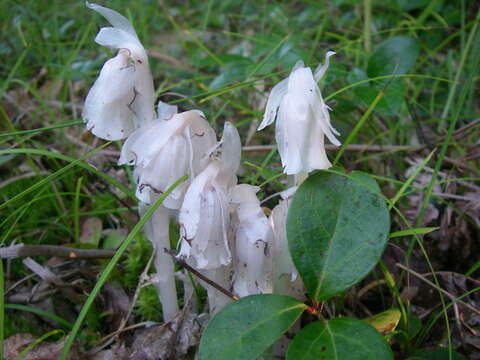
point(302, 119)
point(122, 98)
point(253, 243)
point(205, 215)
point(165, 150)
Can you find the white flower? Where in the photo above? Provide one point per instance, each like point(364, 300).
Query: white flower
point(302, 120)
point(253, 242)
point(204, 216)
point(122, 98)
point(166, 150)
point(285, 277)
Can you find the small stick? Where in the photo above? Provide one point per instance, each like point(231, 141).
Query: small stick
point(374, 147)
point(22, 250)
point(455, 300)
point(199, 275)
point(351, 147)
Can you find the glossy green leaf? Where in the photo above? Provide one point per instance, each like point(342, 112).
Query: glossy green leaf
point(396, 55)
point(436, 354)
point(337, 228)
point(244, 329)
point(339, 339)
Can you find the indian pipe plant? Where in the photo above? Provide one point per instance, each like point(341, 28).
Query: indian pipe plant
point(326, 234)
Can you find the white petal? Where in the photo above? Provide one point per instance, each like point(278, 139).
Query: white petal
point(128, 155)
point(231, 148)
point(117, 39)
point(154, 138)
point(211, 247)
point(244, 193)
point(253, 268)
point(298, 65)
point(203, 138)
point(322, 69)
point(317, 157)
point(114, 18)
point(295, 130)
point(191, 209)
point(204, 217)
point(166, 111)
point(169, 165)
point(281, 133)
point(106, 111)
point(322, 116)
point(273, 102)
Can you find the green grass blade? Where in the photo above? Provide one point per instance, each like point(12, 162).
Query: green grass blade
point(453, 88)
point(73, 162)
point(36, 342)
point(410, 232)
point(410, 179)
point(6, 83)
point(76, 211)
point(42, 129)
point(358, 126)
point(39, 312)
point(50, 177)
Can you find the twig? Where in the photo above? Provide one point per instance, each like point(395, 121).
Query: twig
point(199, 275)
point(113, 336)
point(22, 250)
point(351, 147)
point(373, 147)
point(453, 298)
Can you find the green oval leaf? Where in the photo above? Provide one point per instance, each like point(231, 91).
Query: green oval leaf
point(245, 328)
point(337, 228)
point(396, 55)
point(339, 339)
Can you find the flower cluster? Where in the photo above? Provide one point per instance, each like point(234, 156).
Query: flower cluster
point(303, 120)
point(224, 232)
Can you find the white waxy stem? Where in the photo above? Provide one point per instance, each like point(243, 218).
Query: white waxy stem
point(216, 299)
point(166, 150)
point(157, 231)
point(303, 120)
point(253, 242)
point(122, 98)
point(285, 277)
